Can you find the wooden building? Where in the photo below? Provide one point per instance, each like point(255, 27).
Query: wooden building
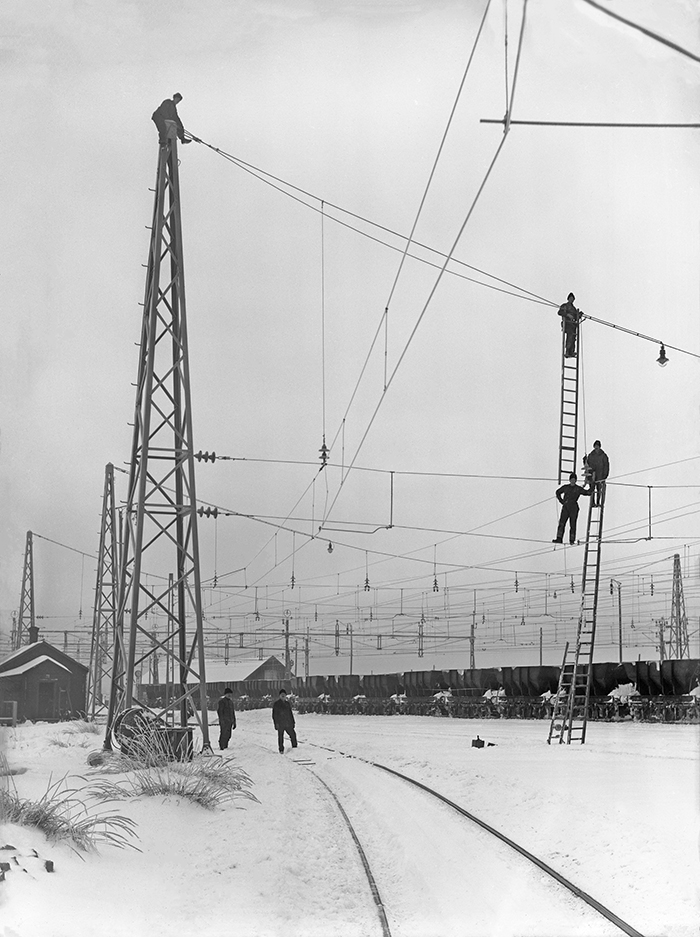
point(45, 683)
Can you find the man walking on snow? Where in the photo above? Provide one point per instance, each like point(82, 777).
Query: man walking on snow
point(227, 717)
point(568, 496)
point(283, 718)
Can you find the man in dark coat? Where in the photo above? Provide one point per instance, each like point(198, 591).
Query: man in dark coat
point(167, 120)
point(598, 465)
point(227, 717)
point(283, 718)
point(570, 318)
point(568, 496)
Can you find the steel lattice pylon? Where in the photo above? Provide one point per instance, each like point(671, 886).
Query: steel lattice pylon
point(105, 612)
point(26, 617)
point(160, 519)
point(678, 643)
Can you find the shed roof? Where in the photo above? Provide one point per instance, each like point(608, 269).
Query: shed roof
point(30, 665)
point(218, 671)
point(30, 652)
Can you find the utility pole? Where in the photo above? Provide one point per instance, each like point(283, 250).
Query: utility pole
point(160, 529)
point(350, 630)
point(615, 583)
point(26, 620)
point(540, 647)
point(287, 653)
point(678, 642)
point(472, 635)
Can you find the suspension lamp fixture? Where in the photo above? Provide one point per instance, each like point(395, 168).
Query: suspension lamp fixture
point(662, 360)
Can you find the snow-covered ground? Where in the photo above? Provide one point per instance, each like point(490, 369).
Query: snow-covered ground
point(618, 816)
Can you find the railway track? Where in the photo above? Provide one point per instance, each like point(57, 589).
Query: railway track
point(309, 764)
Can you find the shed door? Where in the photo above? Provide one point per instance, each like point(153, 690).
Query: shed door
point(47, 699)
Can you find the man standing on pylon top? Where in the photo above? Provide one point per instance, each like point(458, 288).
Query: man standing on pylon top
point(168, 121)
point(571, 316)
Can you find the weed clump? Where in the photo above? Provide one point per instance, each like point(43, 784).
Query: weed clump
point(207, 780)
point(61, 816)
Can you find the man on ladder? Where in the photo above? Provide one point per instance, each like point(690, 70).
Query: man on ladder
point(571, 317)
point(597, 468)
point(568, 496)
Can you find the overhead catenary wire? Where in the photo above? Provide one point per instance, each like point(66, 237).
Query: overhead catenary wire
point(590, 123)
point(521, 293)
point(642, 29)
point(476, 475)
point(437, 156)
point(264, 176)
point(412, 334)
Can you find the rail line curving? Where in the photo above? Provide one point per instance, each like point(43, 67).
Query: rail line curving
point(540, 863)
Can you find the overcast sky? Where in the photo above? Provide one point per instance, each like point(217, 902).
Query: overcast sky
point(349, 101)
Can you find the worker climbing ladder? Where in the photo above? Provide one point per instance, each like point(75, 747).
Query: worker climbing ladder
point(570, 713)
point(568, 423)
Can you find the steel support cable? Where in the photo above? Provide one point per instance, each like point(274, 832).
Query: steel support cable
point(644, 30)
point(455, 534)
point(323, 329)
point(413, 333)
point(452, 567)
point(646, 338)
point(521, 294)
point(438, 279)
point(505, 43)
point(437, 157)
point(588, 123)
point(92, 556)
point(258, 173)
point(417, 474)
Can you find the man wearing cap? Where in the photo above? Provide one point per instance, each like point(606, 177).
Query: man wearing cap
point(571, 317)
point(568, 496)
point(227, 718)
point(598, 465)
point(167, 120)
point(283, 718)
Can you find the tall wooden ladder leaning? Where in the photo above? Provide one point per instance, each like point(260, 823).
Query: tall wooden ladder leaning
point(570, 713)
point(568, 423)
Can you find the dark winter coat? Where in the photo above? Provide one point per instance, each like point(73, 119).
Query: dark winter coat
point(598, 461)
point(168, 111)
point(570, 315)
point(569, 494)
point(226, 711)
point(282, 714)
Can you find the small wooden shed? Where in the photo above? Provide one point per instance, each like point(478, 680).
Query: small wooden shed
point(45, 683)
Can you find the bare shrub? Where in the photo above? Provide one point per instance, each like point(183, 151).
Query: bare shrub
point(82, 725)
point(207, 780)
point(61, 815)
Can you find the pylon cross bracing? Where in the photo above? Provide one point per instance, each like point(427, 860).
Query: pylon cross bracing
point(105, 609)
point(678, 642)
point(26, 617)
point(160, 535)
